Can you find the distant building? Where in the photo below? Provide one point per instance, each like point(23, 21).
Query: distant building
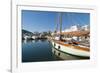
point(34, 37)
point(77, 28)
point(85, 27)
point(73, 28)
point(27, 37)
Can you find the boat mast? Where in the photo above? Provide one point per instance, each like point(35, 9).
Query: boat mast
point(56, 29)
point(60, 22)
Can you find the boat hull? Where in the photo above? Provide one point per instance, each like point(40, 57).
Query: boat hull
point(65, 52)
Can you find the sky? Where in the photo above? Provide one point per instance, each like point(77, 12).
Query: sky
point(41, 21)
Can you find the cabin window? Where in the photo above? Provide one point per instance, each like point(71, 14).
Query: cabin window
point(85, 37)
point(54, 44)
point(58, 54)
point(54, 52)
point(58, 47)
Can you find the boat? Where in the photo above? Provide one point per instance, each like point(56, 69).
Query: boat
point(73, 43)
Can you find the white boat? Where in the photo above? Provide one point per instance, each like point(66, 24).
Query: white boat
point(71, 49)
point(63, 49)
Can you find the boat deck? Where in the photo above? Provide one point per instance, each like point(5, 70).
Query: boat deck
point(79, 47)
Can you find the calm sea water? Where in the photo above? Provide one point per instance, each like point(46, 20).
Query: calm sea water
point(37, 50)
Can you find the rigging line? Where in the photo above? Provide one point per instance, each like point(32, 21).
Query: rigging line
point(72, 19)
point(80, 20)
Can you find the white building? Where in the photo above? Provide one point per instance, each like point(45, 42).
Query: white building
point(73, 28)
point(85, 27)
point(27, 37)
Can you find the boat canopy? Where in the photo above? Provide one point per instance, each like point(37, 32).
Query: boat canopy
point(76, 33)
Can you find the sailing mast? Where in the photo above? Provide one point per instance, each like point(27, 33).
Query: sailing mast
point(57, 19)
point(60, 23)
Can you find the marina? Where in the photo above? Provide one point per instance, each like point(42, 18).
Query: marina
point(57, 43)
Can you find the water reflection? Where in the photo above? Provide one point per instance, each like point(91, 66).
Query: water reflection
point(37, 50)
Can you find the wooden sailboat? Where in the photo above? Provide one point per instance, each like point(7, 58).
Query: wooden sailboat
point(62, 47)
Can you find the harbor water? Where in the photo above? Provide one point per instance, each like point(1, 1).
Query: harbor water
point(37, 50)
point(40, 51)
